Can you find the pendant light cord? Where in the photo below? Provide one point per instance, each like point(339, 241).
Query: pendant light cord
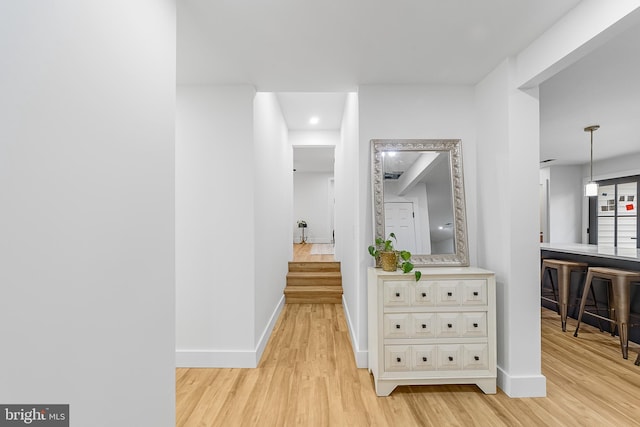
point(592, 155)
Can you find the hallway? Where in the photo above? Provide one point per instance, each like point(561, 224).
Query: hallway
point(303, 253)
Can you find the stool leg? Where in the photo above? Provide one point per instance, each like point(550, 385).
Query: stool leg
point(553, 288)
point(637, 362)
point(595, 304)
point(547, 270)
point(620, 287)
point(583, 300)
point(564, 283)
point(611, 299)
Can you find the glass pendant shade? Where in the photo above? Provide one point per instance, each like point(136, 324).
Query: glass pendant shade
point(591, 189)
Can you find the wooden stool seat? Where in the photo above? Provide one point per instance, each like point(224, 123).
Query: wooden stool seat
point(620, 304)
point(562, 294)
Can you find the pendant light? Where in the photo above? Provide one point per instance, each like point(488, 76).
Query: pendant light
point(591, 189)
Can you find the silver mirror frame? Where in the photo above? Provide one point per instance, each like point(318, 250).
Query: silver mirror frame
point(454, 147)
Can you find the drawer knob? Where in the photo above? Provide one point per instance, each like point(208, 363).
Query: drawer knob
point(475, 293)
point(476, 358)
point(449, 325)
point(424, 359)
point(397, 294)
point(398, 359)
point(450, 358)
point(449, 294)
point(475, 325)
point(397, 326)
point(424, 295)
point(424, 326)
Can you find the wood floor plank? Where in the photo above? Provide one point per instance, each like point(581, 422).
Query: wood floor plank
point(307, 377)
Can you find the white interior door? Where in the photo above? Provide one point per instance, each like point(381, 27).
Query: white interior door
point(399, 219)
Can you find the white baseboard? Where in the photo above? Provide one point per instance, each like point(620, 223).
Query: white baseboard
point(264, 338)
point(522, 386)
point(215, 359)
point(362, 357)
point(229, 358)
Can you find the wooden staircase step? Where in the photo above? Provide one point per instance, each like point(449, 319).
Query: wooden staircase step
point(313, 294)
point(314, 266)
point(314, 278)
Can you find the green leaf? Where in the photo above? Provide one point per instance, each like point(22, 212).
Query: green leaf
point(405, 255)
point(418, 274)
point(372, 251)
point(394, 237)
point(407, 266)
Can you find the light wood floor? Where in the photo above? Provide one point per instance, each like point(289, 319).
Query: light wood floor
point(302, 253)
point(307, 377)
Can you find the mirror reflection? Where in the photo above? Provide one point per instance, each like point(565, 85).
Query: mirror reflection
point(418, 201)
point(418, 194)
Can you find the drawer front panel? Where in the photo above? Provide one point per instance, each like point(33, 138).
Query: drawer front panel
point(423, 294)
point(396, 293)
point(423, 358)
point(475, 357)
point(474, 324)
point(449, 357)
point(397, 325)
point(441, 357)
point(474, 292)
point(424, 325)
point(397, 358)
point(448, 293)
point(448, 325)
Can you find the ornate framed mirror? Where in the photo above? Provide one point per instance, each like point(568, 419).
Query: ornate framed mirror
point(418, 194)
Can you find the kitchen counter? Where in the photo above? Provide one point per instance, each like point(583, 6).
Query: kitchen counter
point(596, 251)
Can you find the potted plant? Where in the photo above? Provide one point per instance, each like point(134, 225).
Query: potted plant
point(391, 259)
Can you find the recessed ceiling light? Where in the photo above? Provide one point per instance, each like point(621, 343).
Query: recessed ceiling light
point(314, 120)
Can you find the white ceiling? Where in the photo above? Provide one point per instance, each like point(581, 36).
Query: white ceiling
point(336, 45)
point(299, 107)
point(304, 48)
point(601, 89)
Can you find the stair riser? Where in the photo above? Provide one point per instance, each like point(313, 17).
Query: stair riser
point(319, 300)
point(299, 281)
point(314, 267)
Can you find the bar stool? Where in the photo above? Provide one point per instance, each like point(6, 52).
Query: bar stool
point(562, 293)
point(619, 282)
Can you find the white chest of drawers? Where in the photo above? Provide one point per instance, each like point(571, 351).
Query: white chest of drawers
point(439, 330)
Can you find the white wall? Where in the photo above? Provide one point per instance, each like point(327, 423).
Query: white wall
point(614, 167)
point(273, 181)
point(315, 138)
point(508, 222)
point(87, 195)
point(348, 216)
point(566, 196)
point(430, 112)
point(311, 203)
point(215, 226)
